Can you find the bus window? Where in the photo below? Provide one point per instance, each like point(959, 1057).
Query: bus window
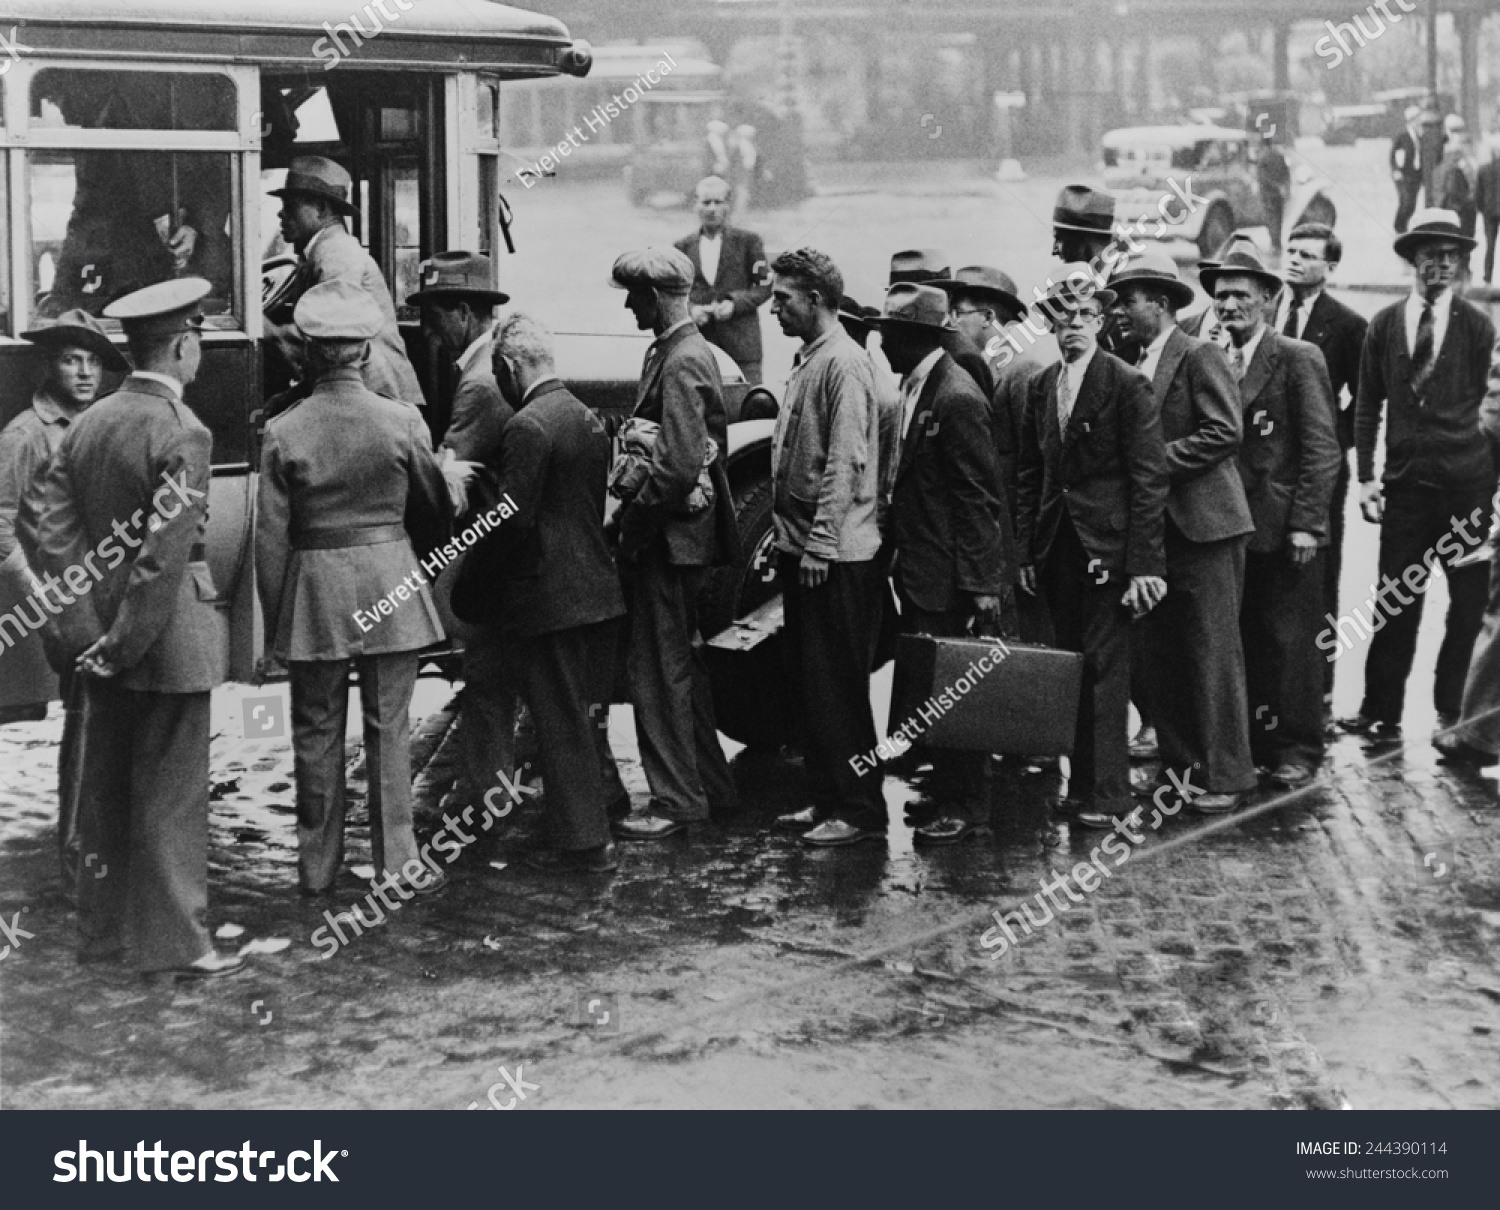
point(68, 98)
point(5, 312)
point(406, 214)
point(106, 222)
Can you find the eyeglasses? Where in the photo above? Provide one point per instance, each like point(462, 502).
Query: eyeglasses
point(1443, 254)
point(960, 311)
point(1079, 319)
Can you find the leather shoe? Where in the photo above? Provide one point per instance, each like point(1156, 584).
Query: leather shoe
point(798, 821)
point(618, 809)
point(1144, 745)
point(599, 860)
point(1292, 775)
point(646, 826)
point(1217, 804)
point(436, 882)
point(210, 966)
point(946, 829)
point(833, 833)
point(1461, 752)
point(1100, 821)
point(1372, 729)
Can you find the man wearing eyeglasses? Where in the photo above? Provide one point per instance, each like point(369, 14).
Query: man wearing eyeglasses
point(1306, 311)
point(1425, 362)
point(1092, 490)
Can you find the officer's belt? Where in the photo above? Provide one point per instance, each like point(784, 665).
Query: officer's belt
point(340, 539)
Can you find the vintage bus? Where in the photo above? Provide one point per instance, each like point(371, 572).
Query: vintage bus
point(129, 122)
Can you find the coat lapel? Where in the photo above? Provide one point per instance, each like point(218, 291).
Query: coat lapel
point(916, 432)
point(1260, 369)
point(1090, 396)
point(651, 371)
point(1172, 353)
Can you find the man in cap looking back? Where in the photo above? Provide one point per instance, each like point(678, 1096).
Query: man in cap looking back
point(340, 584)
point(666, 551)
point(314, 203)
point(146, 638)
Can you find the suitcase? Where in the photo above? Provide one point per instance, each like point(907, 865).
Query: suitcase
point(985, 695)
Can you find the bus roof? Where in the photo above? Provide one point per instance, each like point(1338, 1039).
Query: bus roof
point(471, 34)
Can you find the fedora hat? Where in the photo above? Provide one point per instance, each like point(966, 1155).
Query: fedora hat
point(1079, 284)
point(318, 176)
point(1080, 208)
point(1154, 268)
point(916, 305)
point(457, 276)
point(851, 313)
point(79, 330)
point(1242, 260)
point(1430, 224)
point(920, 265)
point(985, 282)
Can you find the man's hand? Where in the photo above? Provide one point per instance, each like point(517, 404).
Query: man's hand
point(724, 310)
point(701, 315)
point(986, 613)
point(1144, 594)
point(1300, 547)
point(182, 244)
point(268, 668)
point(96, 662)
point(457, 474)
point(1371, 501)
point(813, 571)
point(1028, 579)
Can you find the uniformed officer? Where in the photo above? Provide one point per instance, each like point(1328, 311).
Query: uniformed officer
point(122, 521)
point(77, 354)
point(339, 583)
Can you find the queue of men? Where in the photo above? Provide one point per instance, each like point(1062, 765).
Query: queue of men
point(1120, 502)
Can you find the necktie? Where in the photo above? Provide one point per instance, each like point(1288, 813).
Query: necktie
point(1064, 400)
point(1237, 362)
point(1421, 354)
point(1290, 327)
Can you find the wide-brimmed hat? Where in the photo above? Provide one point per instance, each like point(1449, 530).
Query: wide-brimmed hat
point(660, 268)
point(1080, 208)
point(318, 176)
point(163, 309)
point(914, 305)
point(920, 265)
point(79, 330)
point(456, 276)
point(1428, 224)
point(1154, 268)
point(1242, 260)
point(984, 282)
point(1070, 285)
point(851, 312)
point(338, 310)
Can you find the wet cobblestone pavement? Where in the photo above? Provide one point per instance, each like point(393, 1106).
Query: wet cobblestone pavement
point(1301, 958)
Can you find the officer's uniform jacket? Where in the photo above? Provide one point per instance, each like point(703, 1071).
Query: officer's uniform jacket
point(139, 459)
point(336, 473)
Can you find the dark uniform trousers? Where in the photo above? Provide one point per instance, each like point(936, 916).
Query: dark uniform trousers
point(1279, 621)
point(320, 709)
point(143, 817)
point(1194, 663)
point(491, 697)
point(958, 778)
point(830, 632)
point(566, 677)
point(669, 689)
point(69, 775)
point(1415, 520)
point(1088, 618)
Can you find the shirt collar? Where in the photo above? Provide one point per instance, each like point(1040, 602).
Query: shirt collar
point(811, 346)
point(466, 358)
point(1248, 350)
point(1440, 304)
point(1077, 369)
point(918, 377)
point(167, 381)
point(703, 235)
point(537, 385)
point(1155, 347)
point(318, 234)
point(662, 339)
point(49, 409)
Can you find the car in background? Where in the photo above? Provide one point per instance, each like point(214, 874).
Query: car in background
point(1346, 123)
point(1140, 164)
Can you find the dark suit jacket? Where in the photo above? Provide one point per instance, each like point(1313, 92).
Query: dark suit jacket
point(1339, 333)
point(1200, 422)
point(681, 391)
point(547, 568)
point(479, 413)
point(744, 278)
point(1290, 457)
point(1434, 441)
point(971, 359)
point(952, 534)
point(1007, 409)
point(1109, 474)
point(1406, 162)
point(1487, 189)
point(153, 601)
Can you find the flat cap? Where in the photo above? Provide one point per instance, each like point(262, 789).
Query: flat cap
point(337, 310)
point(167, 307)
point(664, 269)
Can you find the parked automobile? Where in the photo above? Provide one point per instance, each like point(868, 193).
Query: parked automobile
point(1346, 123)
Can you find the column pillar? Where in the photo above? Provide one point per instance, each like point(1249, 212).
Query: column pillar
point(1467, 24)
point(1281, 64)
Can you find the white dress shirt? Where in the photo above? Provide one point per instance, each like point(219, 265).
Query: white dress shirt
point(1075, 370)
point(1283, 308)
point(1249, 347)
point(911, 389)
point(1152, 356)
point(1442, 307)
point(709, 247)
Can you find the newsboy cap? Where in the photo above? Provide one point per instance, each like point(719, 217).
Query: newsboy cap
point(318, 176)
point(660, 268)
point(337, 310)
point(162, 309)
point(79, 330)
